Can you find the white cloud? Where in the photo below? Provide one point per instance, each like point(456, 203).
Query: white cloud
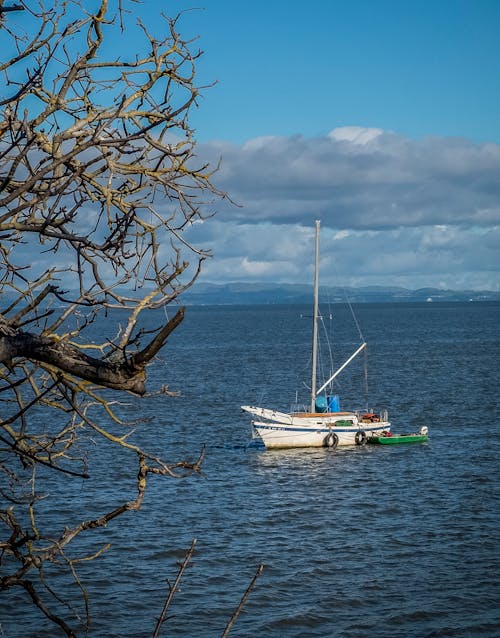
point(355, 134)
point(408, 257)
point(394, 211)
point(341, 234)
point(260, 269)
point(385, 182)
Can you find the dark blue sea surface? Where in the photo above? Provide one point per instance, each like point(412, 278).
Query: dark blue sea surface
point(364, 542)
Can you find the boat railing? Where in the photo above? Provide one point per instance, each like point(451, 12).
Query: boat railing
point(299, 408)
point(370, 415)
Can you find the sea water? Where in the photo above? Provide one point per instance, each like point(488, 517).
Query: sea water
point(364, 542)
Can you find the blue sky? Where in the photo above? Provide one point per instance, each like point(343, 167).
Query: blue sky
point(380, 118)
point(287, 67)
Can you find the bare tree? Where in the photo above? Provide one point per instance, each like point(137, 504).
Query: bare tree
point(99, 179)
point(12, 7)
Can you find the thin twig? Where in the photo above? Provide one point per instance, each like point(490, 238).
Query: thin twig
point(242, 601)
point(173, 588)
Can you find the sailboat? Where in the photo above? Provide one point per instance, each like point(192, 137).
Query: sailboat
point(325, 425)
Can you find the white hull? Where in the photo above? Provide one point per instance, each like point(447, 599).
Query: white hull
point(301, 418)
point(280, 435)
point(281, 430)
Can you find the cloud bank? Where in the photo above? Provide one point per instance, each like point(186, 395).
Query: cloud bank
point(394, 211)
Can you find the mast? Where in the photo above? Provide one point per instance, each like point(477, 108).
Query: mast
point(315, 319)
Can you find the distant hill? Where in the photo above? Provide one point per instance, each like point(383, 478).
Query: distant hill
point(238, 293)
point(269, 293)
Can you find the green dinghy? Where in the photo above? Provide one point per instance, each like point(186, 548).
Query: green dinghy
point(387, 438)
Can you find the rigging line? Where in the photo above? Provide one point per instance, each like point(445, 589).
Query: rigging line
point(353, 315)
point(358, 327)
point(366, 374)
point(329, 334)
point(355, 320)
point(325, 336)
point(348, 301)
point(329, 345)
